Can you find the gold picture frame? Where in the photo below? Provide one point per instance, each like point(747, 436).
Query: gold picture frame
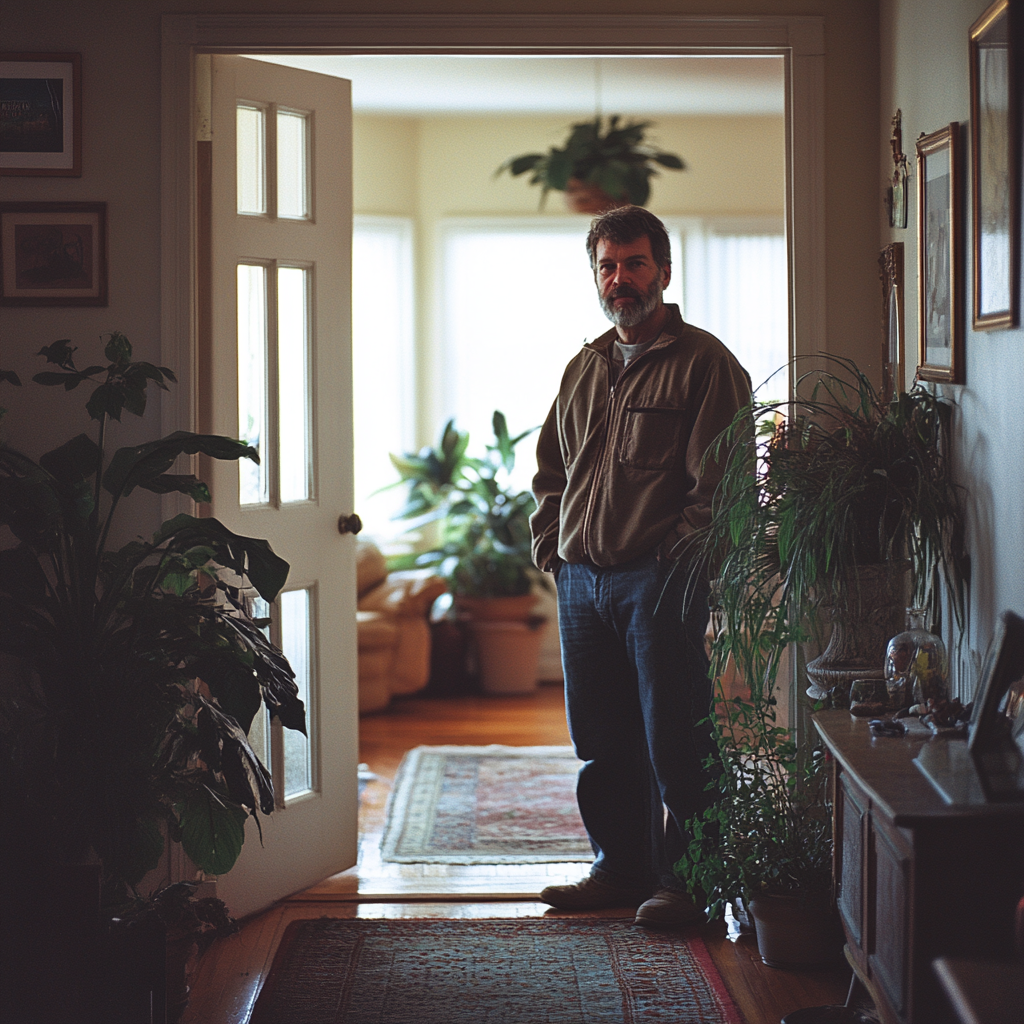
point(939, 260)
point(890, 274)
point(995, 170)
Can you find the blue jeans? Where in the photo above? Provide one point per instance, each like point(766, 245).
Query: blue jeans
point(636, 687)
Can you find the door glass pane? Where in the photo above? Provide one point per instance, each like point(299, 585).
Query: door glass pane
point(293, 362)
point(296, 644)
point(259, 731)
point(253, 479)
point(292, 178)
point(251, 162)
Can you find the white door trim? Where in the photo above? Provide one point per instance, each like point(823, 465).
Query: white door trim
point(800, 39)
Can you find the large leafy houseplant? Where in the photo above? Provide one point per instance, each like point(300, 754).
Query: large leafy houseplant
point(483, 524)
point(812, 490)
point(130, 676)
point(615, 159)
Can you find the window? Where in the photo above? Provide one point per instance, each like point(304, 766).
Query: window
point(519, 301)
point(737, 288)
point(383, 363)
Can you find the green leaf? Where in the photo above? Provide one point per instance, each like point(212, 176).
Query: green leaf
point(669, 160)
point(76, 460)
point(212, 832)
point(142, 465)
point(106, 400)
point(247, 556)
point(118, 350)
point(60, 353)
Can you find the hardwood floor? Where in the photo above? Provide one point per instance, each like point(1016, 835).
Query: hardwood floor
point(229, 977)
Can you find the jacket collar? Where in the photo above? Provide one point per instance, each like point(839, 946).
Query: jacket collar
point(673, 329)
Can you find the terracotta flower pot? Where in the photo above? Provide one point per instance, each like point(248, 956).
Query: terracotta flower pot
point(583, 197)
point(508, 654)
point(497, 609)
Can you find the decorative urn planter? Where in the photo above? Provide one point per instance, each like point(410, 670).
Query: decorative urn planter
point(860, 634)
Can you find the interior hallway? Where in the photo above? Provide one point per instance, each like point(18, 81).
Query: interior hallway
point(231, 973)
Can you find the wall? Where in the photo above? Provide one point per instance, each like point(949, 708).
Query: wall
point(924, 72)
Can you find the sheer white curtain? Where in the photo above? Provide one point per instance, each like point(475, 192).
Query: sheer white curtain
point(737, 288)
point(383, 363)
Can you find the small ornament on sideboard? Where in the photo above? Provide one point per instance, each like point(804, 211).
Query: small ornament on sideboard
point(916, 666)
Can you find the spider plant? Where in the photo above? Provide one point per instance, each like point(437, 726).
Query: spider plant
point(813, 489)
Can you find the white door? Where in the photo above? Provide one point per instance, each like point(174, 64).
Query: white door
point(280, 376)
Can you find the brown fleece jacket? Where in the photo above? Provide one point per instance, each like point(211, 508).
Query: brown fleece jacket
point(619, 466)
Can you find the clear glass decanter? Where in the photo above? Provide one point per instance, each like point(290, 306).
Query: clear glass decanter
point(916, 666)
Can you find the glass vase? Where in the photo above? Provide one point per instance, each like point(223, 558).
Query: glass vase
point(916, 666)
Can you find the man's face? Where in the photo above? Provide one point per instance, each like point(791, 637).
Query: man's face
point(629, 282)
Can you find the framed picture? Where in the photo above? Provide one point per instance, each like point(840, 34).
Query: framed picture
point(890, 272)
point(53, 254)
point(939, 287)
point(996, 731)
point(995, 170)
point(41, 114)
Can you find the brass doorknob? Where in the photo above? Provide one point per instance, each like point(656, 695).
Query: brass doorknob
point(349, 524)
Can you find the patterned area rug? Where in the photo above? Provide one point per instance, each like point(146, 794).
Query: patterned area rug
point(485, 805)
point(532, 971)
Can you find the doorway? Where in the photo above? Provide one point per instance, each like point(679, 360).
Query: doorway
point(796, 41)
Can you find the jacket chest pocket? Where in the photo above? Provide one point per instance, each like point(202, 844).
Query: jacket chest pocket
point(651, 437)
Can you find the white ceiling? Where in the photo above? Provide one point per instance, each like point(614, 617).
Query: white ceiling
point(632, 86)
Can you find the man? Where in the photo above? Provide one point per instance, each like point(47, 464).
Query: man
point(622, 485)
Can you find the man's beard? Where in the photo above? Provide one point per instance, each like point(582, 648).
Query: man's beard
point(631, 316)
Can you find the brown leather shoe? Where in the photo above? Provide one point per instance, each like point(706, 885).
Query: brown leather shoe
point(671, 908)
point(591, 894)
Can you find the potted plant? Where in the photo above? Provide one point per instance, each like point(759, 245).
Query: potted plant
point(483, 545)
point(843, 484)
point(130, 675)
point(598, 167)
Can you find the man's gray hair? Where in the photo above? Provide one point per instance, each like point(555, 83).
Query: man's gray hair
point(627, 224)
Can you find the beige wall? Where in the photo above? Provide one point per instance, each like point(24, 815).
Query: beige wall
point(120, 45)
point(444, 166)
point(925, 74)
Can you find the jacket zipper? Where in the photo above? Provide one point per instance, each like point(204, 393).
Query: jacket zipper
point(588, 512)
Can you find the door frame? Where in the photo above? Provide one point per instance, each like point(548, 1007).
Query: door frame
point(799, 39)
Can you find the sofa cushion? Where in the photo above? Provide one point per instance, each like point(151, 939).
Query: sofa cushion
point(371, 566)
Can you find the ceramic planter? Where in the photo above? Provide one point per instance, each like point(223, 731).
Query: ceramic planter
point(796, 932)
point(507, 654)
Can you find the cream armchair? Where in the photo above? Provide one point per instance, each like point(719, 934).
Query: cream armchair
point(392, 628)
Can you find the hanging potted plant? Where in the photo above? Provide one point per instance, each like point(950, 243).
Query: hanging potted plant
point(483, 549)
point(130, 674)
point(599, 167)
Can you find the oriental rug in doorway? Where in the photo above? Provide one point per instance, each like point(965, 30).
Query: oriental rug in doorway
point(472, 971)
point(485, 805)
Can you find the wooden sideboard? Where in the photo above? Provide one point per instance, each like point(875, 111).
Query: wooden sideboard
point(915, 877)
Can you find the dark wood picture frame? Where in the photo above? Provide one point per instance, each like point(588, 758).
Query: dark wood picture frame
point(890, 273)
point(992, 720)
point(995, 169)
point(53, 254)
point(939, 257)
point(41, 103)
